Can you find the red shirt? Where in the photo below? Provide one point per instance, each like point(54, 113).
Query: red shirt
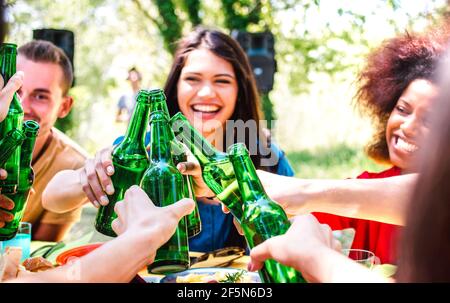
point(380, 238)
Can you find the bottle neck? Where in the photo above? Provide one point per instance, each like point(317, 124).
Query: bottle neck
point(249, 184)
point(158, 102)
point(159, 105)
point(9, 144)
point(160, 143)
point(137, 127)
point(197, 144)
point(8, 55)
point(8, 64)
point(30, 130)
point(26, 152)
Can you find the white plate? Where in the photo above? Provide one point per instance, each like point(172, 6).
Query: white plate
point(152, 279)
point(171, 278)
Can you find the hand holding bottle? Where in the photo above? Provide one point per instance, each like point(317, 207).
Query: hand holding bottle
point(292, 194)
point(7, 92)
point(95, 177)
point(302, 247)
point(137, 213)
point(6, 95)
point(5, 204)
point(192, 168)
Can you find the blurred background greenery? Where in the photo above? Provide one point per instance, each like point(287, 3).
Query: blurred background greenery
point(320, 46)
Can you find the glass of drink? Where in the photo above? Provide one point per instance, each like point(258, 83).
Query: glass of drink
point(22, 239)
point(363, 257)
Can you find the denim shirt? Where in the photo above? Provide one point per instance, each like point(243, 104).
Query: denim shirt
point(216, 225)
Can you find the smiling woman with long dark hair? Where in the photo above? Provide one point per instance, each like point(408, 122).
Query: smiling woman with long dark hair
point(212, 84)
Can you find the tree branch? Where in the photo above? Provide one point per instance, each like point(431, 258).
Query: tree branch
point(192, 7)
point(147, 15)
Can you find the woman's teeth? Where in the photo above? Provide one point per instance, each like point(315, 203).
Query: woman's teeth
point(406, 146)
point(205, 108)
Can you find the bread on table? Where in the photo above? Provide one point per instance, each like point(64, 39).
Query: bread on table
point(37, 264)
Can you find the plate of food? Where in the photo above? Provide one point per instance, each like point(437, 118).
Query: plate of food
point(76, 252)
point(212, 275)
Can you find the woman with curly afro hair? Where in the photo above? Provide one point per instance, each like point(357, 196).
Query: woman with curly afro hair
point(397, 88)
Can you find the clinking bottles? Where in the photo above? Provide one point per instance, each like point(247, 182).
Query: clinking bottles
point(130, 161)
point(262, 217)
point(13, 120)
point(26, 179)
point(9, 144)
point(217, 170)
point(158, 103)
point(164, 184)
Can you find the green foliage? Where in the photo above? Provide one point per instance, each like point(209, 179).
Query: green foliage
point(239, 14)
point(234, 277)
point(267, 108)
point(394, 4)
point(168, 22)
point(170, 26)
point(192, 7)
point(111, 36)
point(340, 161)
point(67, 123)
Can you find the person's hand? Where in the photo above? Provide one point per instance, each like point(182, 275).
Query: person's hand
point(7, 91)
point(192, 168)
point(95, 177)
point(238, 226)
point(5, 216)
point(273, 184)
point(279, 189)
point(6, 95)
point(137, 215)
point(299, 247)
point(3, 174)
point(235, 221)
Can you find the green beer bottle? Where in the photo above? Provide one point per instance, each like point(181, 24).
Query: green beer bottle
point(9, 144)
point(159, 103)
point(26, 179)
point(262, 218)
point(193, 221)
point(164, 184)
point(130, 160)
point(217, 170)
point(14, 118)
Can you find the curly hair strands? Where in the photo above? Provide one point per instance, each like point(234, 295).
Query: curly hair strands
point(388, 72)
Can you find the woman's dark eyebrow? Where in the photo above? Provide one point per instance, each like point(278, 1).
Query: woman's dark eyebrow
point(217, 75)
point(224, 75)
point(192, 73)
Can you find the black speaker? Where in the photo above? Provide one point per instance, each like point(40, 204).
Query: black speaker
point(62, 38)
point(260, 51)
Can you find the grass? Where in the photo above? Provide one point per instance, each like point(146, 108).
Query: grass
point(336, 162)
